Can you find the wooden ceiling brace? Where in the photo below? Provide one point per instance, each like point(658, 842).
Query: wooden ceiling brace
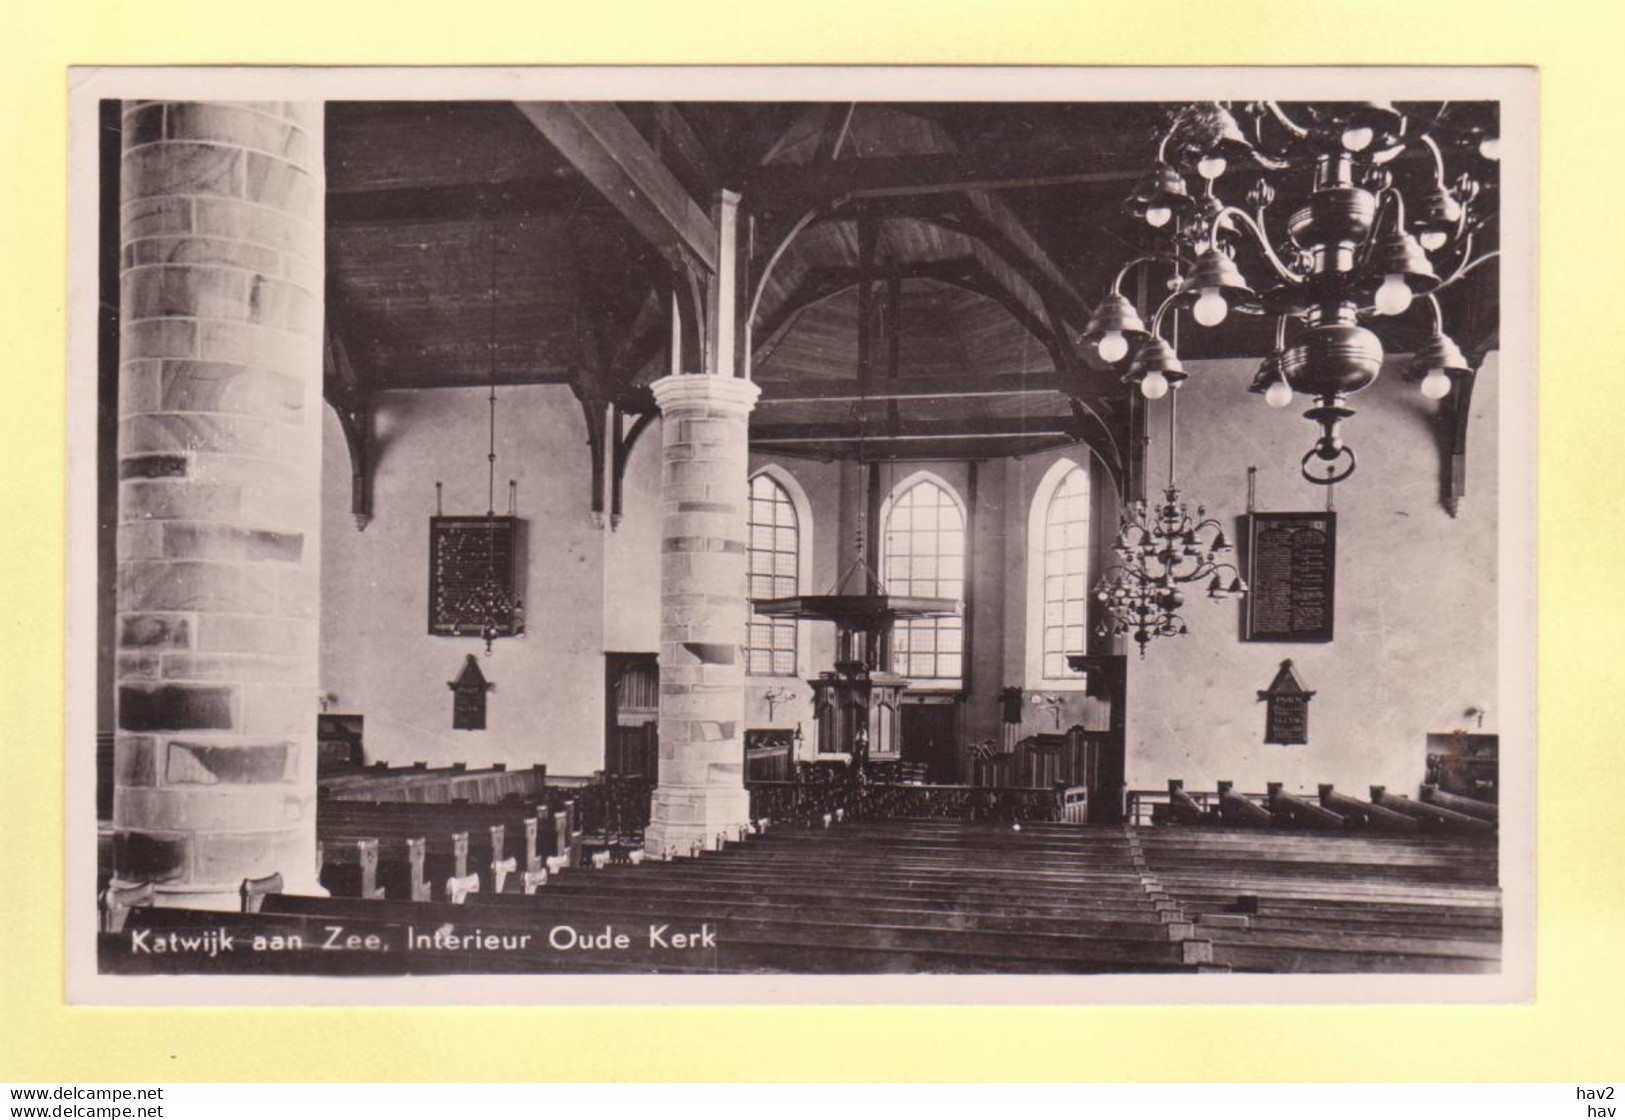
point(344, 390)
point(620, 454)
point(595, 412)
point(602, 143)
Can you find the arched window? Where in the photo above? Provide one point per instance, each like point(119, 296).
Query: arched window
point(775, 566)
point(1058, 572)
point(925, 555)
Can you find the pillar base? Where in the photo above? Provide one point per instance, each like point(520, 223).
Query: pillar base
point(683, 816)
point(217, 896)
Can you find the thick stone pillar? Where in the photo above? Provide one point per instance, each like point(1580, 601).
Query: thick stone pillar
point(703, 502)
point(219, 449)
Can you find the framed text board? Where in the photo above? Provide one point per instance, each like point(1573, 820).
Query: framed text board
point(1291, 577)
point(468, 558)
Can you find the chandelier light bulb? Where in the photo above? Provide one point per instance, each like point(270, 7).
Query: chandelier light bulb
point(1394, 297)
point(1154, 386)
point(1436, 385)
point(1278, 395)
point(1490, 147)
point(1358, 139)
point(1211, 167)
point(1433, 239)
point(1210, 308)
point(1113, 346)
point(1158, 216)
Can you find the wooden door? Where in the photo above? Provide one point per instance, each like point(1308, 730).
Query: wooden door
point(931, 738)
point(631, 702)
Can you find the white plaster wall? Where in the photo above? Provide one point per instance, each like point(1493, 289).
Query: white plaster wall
point(377, 657)
point(632, 554)
point(1415, 630)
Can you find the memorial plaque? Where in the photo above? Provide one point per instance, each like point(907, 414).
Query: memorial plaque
point(1286, 718)
point(467, 557)
point(468, 697)
point(1291, 577)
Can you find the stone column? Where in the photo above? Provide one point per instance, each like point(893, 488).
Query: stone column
point(703, 501)
point(219, 456)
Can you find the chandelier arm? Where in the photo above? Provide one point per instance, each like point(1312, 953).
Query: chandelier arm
point(1191, 576)
point(1435, 121)
point(1438, 158)
point(1298, 131)
point(1389, 201)
point(1267, 161)
point(1256, 227)
point(1162, 144)
point(1162, 309)
point(1467, 265)
point(1149, 258)
point(1438, 313)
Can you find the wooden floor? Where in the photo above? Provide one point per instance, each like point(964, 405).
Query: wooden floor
point(921, 896)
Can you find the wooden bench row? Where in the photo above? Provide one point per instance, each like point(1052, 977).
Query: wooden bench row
point(443, 785)
point(919, 896)
point(1328, 902)
point(1437, 811)
point(757, 919)
point(371, 849)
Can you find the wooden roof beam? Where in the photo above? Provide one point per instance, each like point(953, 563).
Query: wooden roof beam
point(599, 140)
point(910, 388)
point(694, 162)
point(1014, 233)
point(788, 186)
point(947, 450)
point(951, 429)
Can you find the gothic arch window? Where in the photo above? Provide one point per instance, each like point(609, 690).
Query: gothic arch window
point(924, 554)
point(1059, 547)
point(775, 565)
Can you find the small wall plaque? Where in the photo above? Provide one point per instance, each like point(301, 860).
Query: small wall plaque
point(468, 697)
point(1286, 720)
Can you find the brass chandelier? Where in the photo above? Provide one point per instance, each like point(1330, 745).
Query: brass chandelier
point(1372, 226)
point(1161, 546)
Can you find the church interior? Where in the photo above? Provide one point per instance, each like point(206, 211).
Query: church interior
point(849, 537)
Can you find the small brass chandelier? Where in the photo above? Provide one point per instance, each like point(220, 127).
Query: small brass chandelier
point(1160, 547)
point(1367, 234)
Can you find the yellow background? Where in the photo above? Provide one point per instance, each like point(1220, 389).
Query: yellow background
point(1572, 1032)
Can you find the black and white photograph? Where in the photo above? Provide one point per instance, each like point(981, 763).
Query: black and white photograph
point(933, 535)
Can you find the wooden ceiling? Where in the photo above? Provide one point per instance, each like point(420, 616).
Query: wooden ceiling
point(961, 244)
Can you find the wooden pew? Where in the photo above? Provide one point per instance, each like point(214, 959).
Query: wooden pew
point(1434, 815)
point(1484, 810)
point(1182, 806)
point(1334, 902)
point(357, 864)
point(444, 853)
point(503, 838)
point(1365, 813)
point(116, 904)
point(1295, 811)
point(1234, 809)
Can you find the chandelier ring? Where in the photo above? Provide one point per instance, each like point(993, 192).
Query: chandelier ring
point(1328, 479)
